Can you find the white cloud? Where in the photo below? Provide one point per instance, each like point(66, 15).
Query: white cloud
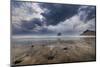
point(82, 12)
point(27, 11)
point(91, 24)
point(72, 25)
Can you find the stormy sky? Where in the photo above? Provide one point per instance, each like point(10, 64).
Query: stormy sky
point(31, 18)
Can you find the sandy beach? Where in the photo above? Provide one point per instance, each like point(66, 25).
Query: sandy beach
point(53, 51)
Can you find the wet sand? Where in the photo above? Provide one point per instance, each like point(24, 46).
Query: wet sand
point(54, 51)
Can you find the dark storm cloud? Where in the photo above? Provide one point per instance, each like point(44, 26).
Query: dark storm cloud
point(58, 12)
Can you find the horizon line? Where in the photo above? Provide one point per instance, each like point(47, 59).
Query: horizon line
point(82, 36)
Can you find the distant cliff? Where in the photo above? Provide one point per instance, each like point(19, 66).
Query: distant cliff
point(88, 32)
